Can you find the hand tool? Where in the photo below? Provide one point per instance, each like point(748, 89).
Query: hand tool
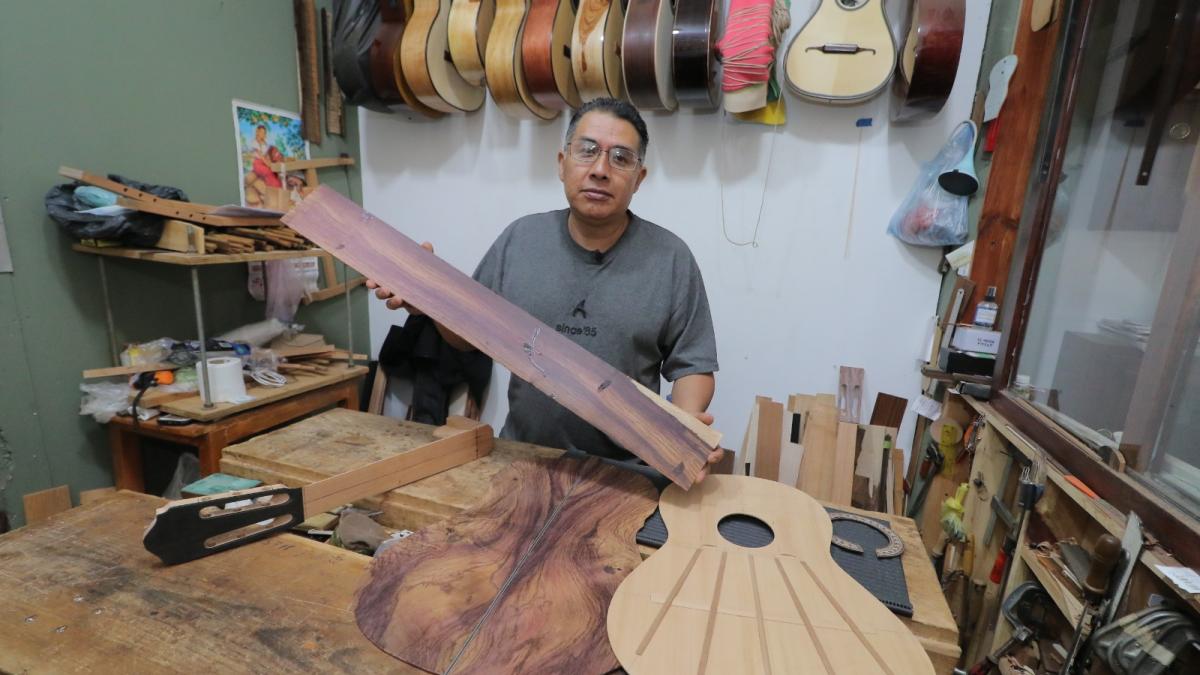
point(1105, 556)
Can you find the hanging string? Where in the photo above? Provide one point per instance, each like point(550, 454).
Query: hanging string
point(753, 243)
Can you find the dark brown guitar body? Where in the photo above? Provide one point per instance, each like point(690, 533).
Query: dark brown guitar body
point(928, 61)
point(546, 54)
point(646, 54)
point(392, 16)
point(693, 54)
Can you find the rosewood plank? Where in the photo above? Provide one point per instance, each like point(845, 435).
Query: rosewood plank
point(519, 583)
point(563, 370)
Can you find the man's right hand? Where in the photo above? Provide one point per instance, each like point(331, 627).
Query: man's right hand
point(394, 301)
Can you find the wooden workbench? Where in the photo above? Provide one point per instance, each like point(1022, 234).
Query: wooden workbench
point(339, 440)
point(80, 594)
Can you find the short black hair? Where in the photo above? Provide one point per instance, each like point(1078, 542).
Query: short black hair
point(617, 108)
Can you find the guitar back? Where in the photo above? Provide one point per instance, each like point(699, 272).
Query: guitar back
point(503, 64)
point(433, 78)
point(929, 59)
point(646, 54)
point(546, 54)
point(596, 49)
point(693, 57)
point(702, 604)
point(844, 54)
point(468, 27)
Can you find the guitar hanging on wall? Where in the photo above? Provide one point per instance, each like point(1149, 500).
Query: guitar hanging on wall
point(845, 53)
point(929, 59)
point(596, 49)
point(468, 28)
point(646, 54)
point(693, 53)
point(423, 59)
point(546, 53)
point(504, 64)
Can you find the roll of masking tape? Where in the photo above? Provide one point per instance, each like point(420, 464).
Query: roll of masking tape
point(225, 378)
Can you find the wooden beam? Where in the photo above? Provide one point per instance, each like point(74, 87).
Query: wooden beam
point(1013, 162)
point(577, 379)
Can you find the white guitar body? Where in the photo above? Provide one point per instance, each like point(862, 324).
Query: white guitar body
point(845, 53)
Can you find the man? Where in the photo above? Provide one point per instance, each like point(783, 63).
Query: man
point(623, 288)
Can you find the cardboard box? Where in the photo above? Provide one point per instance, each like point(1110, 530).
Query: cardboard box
point(970, 338)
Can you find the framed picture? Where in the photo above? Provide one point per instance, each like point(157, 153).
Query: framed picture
point(267, 136)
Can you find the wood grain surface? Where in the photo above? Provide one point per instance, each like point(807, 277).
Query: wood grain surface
point(841, 78)
point(693, 56)
point(929, 59)
point(546, 53)
point(519, 583)
point(433, 78)
point(468, 28)
point(704, 605)
point(504, 65)
point(596, 49)
point(563, 370)
point(646, 54)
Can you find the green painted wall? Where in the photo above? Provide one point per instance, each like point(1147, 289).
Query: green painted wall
point(142, 88)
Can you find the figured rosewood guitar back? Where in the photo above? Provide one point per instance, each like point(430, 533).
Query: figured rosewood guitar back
point(505, 71)
point(844, 54)
point(646, 54)
point(693, 55)
point(519, 583)
point(701, 604)
point(596, 49)
point(426, 65)
point(929, 59)
point(468, 28)
point(546, 54)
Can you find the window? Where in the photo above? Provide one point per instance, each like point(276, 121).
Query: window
point(1109, 349)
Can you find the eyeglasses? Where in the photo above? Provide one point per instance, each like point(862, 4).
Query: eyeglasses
point(587, 151)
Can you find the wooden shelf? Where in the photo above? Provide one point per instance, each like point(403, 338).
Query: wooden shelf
point(193, 259)
point(941, 375)
point(298, 383)
point(1059, 591)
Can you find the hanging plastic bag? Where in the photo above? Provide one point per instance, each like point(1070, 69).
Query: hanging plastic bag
point(931, 216)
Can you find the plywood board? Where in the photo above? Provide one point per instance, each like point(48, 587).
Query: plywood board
point(574, 377)
point(518, 583)
point(45, 503)
point(767, 447)
point(193, 407)
point(703, 605)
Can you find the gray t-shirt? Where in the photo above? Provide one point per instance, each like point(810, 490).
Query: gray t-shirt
point(640, 306)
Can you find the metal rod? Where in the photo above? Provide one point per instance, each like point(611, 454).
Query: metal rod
point(108, 317)
point(349, 318)
point(203, 344)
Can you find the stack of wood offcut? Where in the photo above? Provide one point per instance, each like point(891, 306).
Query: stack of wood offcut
point(308, 353)
point(191, 227)
point(811, 444)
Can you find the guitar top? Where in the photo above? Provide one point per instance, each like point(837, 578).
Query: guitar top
point(546, 54)
point(469, 24)
point(504, 67)
point(693, 55)
point(702, 604)
point(929, 59)
point(433, 78)
point(844, 54)
point(646, 54)
point(596, 49)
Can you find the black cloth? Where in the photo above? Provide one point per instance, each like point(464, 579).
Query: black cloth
point(133, 229)
point(416, 351)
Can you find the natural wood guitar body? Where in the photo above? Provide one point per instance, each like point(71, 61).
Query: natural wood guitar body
point(468, 27)
point(844, 54)
point(646, 48)
point(596, 49)
point(431, 75)
point(504, 67)
point(701, 604)
point(546, 54)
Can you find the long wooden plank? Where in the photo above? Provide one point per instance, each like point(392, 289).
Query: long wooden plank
point(767, 448)
point(519, 583)
point(45, 503)
point(566, 372)
point(114, 371)
point(842, 475)
point(820, 446)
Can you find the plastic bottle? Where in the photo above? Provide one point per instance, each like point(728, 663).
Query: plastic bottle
point(1021, 387)
point(986, 311)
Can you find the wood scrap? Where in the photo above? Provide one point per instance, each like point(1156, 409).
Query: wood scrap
point(896, 483)
point(842, 474)
point(767, 445)
point(92, 373)
point(791, 452)
point(850, 393)
point(820, 446)
point(334, 108)
point(307, 49)
point(43, 504)
point(889, 410)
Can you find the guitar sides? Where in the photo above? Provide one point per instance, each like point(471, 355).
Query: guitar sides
point(693, 57)
point(646, 54)
point(468, 28)
point(596, 49)
point(546, 54)
point(503, 64)
point(433, 78)
point(815, 73)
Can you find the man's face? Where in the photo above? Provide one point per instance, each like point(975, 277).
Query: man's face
point(598, 190)
point(260, 134)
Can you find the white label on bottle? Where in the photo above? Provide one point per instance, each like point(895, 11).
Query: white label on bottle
point(985, 316)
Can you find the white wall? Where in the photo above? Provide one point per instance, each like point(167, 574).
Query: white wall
point(788, 311)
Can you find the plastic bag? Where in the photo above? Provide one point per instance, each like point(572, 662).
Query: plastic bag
point(133, 228)
point(104, 400)
point(930, 216)
point(285, 288)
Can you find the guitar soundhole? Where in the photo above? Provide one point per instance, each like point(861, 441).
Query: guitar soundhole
point(746, 531)
point(851, 4)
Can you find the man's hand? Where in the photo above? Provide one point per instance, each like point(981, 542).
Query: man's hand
point(715, 456)
point(394, 301)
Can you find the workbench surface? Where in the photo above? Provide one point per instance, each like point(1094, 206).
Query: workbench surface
point(80, 594)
